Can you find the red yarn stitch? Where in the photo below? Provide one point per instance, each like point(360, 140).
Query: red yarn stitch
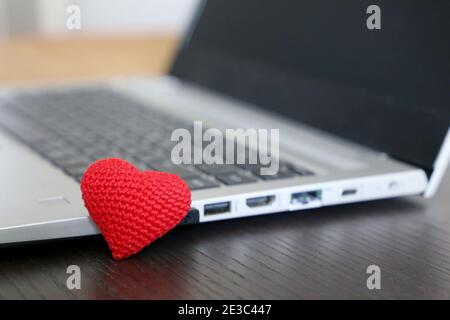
point(133, 208)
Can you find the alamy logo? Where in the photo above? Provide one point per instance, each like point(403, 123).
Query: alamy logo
point(374, 280)
point(373, 21)
point(73, 21)
point(74, 280)
point(239, 146)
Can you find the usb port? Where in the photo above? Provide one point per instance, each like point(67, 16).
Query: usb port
point(349, 192)
point(260, 201)
point(306, 198)
point(217, 208)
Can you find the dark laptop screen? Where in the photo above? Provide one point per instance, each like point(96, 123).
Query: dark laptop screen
point(316, 61)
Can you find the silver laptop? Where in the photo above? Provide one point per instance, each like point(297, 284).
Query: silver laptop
point(362, 113)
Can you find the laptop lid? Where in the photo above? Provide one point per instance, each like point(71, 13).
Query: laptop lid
point(382, 83)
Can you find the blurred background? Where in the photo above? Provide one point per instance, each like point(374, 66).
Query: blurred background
point(99, 17)
point(117, 37)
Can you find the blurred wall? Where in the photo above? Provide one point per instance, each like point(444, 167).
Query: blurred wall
point(3, 21)
point(17, 16)
point(106, 17)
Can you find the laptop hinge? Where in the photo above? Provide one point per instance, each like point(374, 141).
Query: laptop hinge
point(439, 167)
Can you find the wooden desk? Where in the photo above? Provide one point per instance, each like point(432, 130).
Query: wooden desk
point(54, 59)
point(319, 253)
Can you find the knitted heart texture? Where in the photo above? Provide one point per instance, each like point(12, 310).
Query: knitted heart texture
point(133, 208)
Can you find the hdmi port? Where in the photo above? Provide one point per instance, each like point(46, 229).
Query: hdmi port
point(260, 201)
point(217, 208)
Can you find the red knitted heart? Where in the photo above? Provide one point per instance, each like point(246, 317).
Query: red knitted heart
point(133, 208)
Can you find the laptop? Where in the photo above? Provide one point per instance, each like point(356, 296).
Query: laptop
point(363, 114)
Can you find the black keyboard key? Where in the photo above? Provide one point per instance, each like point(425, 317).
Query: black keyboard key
point(234, 178)
point(25, 129)
point(299, 170)
point(183, 171)
point(73, 162)
point(253, 168)
point(217, 168)
point(285, 170)
point(279, 175)
point(126, 157)
point(150, 156)
point(76, 172)
point(143, 166)
point(49, 145)
point(197, 183)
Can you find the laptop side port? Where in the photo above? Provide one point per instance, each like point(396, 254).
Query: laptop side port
point(260, 201)
point(217, 208)
point(349, 192)
point(306, 199)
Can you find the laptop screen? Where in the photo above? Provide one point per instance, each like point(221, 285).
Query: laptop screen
point(379, 77)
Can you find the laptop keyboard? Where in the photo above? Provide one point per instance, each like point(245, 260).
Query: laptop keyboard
point(74, 128)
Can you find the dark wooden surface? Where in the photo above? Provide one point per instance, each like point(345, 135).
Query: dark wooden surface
point(320, 253)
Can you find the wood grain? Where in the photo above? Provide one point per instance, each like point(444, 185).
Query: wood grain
point(321, 253)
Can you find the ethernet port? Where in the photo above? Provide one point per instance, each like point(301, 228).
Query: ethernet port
point(305, 198)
